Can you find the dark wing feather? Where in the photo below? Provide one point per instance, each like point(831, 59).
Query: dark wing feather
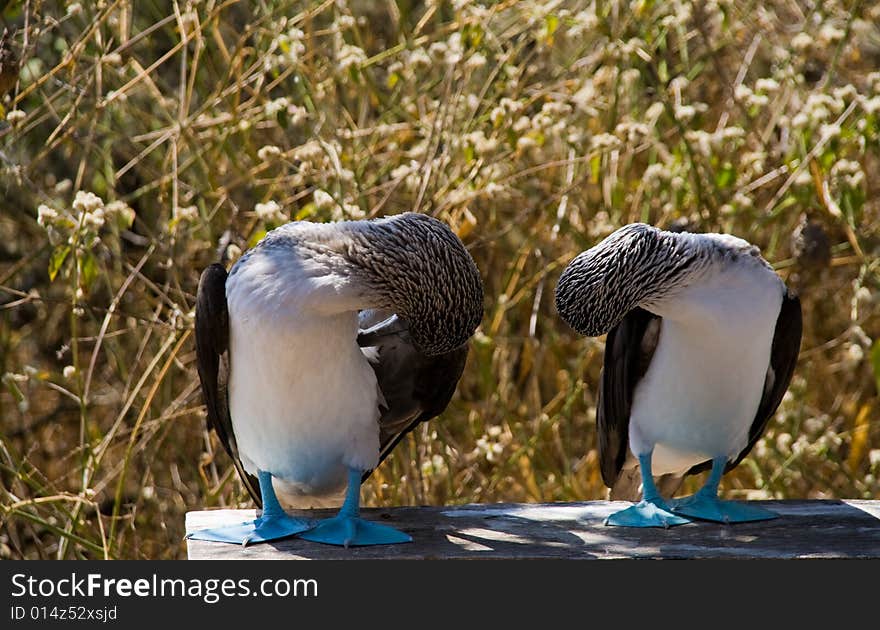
point(783, 358)
point(212, 354)
point(415, 387)
point(629, 348)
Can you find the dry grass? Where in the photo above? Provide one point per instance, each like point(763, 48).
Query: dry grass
point(533, 128)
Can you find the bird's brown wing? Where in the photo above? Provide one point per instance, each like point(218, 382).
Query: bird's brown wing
point(212, 355)
point(629, 348)
point(415, 388)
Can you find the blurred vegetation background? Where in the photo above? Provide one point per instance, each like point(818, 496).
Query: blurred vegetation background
point(141, 141)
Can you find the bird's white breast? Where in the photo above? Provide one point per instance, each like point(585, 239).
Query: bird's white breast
point(302, 396)
point(702, 389)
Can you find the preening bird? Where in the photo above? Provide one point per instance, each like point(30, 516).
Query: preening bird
point(703, 338)
point(324, 345)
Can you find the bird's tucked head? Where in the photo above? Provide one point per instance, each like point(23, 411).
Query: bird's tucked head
point(633, 266)
point(421, 270)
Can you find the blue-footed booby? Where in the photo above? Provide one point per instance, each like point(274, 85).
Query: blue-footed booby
point(703, 338)
point(324, 345)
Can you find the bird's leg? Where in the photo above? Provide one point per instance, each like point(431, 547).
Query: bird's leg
point(273, 523)
point(348, 529)
point(706, 505)
point(652, 510)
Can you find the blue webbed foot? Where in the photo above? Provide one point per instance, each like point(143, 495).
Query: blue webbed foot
point(351, 531)
point(259, 530)
point(706, 505)
point(711, 508)
point(646, 513)
point(272, 524)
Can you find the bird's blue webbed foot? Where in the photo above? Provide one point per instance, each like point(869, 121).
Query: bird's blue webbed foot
point(352, 531)
point(710, 508)
point(652, 510)
point(272, 524)
point(347, 529)
point(259, 530)
point(706, 505)
point(646, 513)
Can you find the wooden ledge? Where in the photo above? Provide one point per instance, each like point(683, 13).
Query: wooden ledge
point(805, 529)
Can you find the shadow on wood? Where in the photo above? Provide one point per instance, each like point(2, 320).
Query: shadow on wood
point(804, 529)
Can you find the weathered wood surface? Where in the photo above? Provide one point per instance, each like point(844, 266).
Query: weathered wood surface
point(805, 529)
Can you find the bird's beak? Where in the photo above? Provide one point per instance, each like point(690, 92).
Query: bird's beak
point(394, 325)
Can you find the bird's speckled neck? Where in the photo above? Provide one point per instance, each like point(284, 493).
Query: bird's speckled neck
point(411, 264)
point(640, 265)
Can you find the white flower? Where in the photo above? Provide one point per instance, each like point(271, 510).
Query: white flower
point(477, 60)
point(291, 47)
point(309, 151)
point(584, 23)
point(494, 189)
point(69, 371)
point(454, 50)
point(14, 116)
point(634, 132)
point(403, 170)
point(684, 113)
point(522, 124)
point(871, 105)
point(268, 152)
point(555, 108)
point(855, 354)
point(345, 22)
point(742, 92)
point(656, 172)
point(604, 141)
point(829, 34)
point(743, 201)
point(766, 85)
point(654, 112)
point(757, 100)
point(233, 252)
point(702, 139)
point(350, 56)
point(679, 84)
point(418, 59)
point(845, 167)
point(526, 142)
point(323, 200)
point(829, 131)
point(353, 211)
point(783, 443)
point(186, 213)
point(732, 133)
point(270, 211)
point(585, 98)
point(276, 105)
point(803, 178)
point(74, 8)
point(46, 215)
point(754, 161)
point(94, 219)
point(481, 143)
point(120, 208)
point(87, 202)
point(801, 41)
